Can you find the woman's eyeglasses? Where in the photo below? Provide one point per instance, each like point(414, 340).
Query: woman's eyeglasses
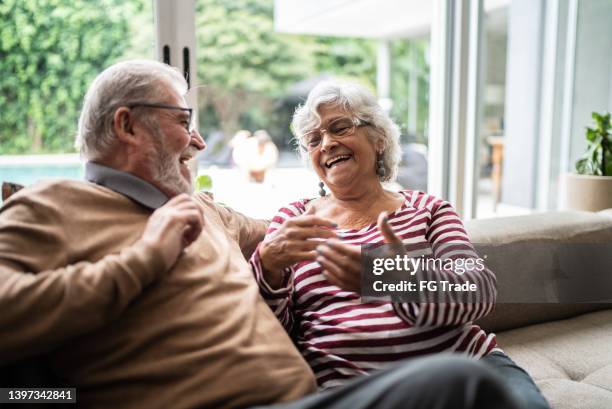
point(337, 129)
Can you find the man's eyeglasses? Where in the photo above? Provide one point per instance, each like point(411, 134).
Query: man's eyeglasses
point(189, 125)
point(337, 129)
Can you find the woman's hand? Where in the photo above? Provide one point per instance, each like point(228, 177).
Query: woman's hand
point(341, 262)
point(295, 241)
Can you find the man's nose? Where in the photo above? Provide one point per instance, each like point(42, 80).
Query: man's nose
point(197, 140)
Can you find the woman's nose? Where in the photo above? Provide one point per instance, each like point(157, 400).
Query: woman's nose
point(327, 141)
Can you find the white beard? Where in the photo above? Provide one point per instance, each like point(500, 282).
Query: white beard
point(166, 168)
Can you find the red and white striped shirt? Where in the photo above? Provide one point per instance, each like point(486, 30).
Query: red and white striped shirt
point(342, 337)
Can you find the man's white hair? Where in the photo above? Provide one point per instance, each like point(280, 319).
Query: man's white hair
point(121, 84)
point(359, 102)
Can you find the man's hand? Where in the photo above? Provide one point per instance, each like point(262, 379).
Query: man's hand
point(294, 241)
point(173, 227)
point(342, 262)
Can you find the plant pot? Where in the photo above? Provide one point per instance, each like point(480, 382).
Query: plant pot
point(586, 192)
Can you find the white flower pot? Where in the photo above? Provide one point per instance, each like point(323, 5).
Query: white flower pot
point(586, 192)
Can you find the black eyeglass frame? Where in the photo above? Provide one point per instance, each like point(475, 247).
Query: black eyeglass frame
point(190, 128)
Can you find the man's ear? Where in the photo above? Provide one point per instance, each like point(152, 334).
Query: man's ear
point(123, 124)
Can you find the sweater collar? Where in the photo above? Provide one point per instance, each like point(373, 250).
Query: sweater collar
point(126, 184)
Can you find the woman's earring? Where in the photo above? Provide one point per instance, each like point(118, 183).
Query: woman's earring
point(322, 192)
point(380, 167)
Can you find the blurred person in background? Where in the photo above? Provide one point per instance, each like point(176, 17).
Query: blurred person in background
point(264, 156)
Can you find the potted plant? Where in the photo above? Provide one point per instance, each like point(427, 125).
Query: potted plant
point(590, 188)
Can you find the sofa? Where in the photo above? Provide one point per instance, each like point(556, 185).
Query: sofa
point(566, 347)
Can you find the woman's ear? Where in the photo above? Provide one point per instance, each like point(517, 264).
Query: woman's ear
point(380, 145)
point(123, 125)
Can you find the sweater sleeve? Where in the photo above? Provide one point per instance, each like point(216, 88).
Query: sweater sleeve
point(448, 240)
point(45, 302)
point(280, 300)
point(248, 232)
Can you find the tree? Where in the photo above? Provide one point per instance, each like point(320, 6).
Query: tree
point(50, 50)
point(246, 67)
point(348, 58)
point(410, 87)
point(242, 62)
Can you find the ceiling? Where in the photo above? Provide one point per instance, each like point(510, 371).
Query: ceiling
point(376, 19)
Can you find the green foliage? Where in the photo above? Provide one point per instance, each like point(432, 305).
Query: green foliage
point(242, 62)
point(50, 50)
point(597, 160)
point(246, 67)
point(238, 49)
point(410, 87)
point(347, 58)
point(203, 182)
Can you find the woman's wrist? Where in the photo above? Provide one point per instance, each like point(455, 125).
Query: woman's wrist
point(273, 275)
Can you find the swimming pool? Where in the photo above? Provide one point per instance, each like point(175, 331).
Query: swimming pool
point(26, 170)
point(28, 174)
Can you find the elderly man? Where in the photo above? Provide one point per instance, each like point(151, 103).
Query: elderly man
point(137, 293)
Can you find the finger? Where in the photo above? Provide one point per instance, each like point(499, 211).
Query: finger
point(350, 265)
point(190, 234)
point(306, 233)
point(348, 250)
point(313, 221)
point(333, 279)
point(336, 276)
point(332, 269)
point(190, 209)
point(187, 204)
point(299, 246)
point(183, 202)
point(178, 199)
point(192, 219)
point(304, 256)
point(386, 230)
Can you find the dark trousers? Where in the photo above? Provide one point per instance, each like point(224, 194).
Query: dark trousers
point(437, 382)
point(517, 380)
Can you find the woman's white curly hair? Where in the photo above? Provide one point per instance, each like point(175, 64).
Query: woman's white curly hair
point(359, 102)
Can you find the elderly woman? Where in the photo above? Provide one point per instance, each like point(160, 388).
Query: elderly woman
point(309, 265)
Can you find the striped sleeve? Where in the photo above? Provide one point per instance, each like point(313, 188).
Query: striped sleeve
point(280, 299)
point(449, 241)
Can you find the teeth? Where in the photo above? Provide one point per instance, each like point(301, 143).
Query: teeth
point(336, 158)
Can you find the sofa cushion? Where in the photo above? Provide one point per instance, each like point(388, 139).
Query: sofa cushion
point(570, 360)
point(509, 316)
point(606, 212)
point(525, 274)
point(559, 226)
